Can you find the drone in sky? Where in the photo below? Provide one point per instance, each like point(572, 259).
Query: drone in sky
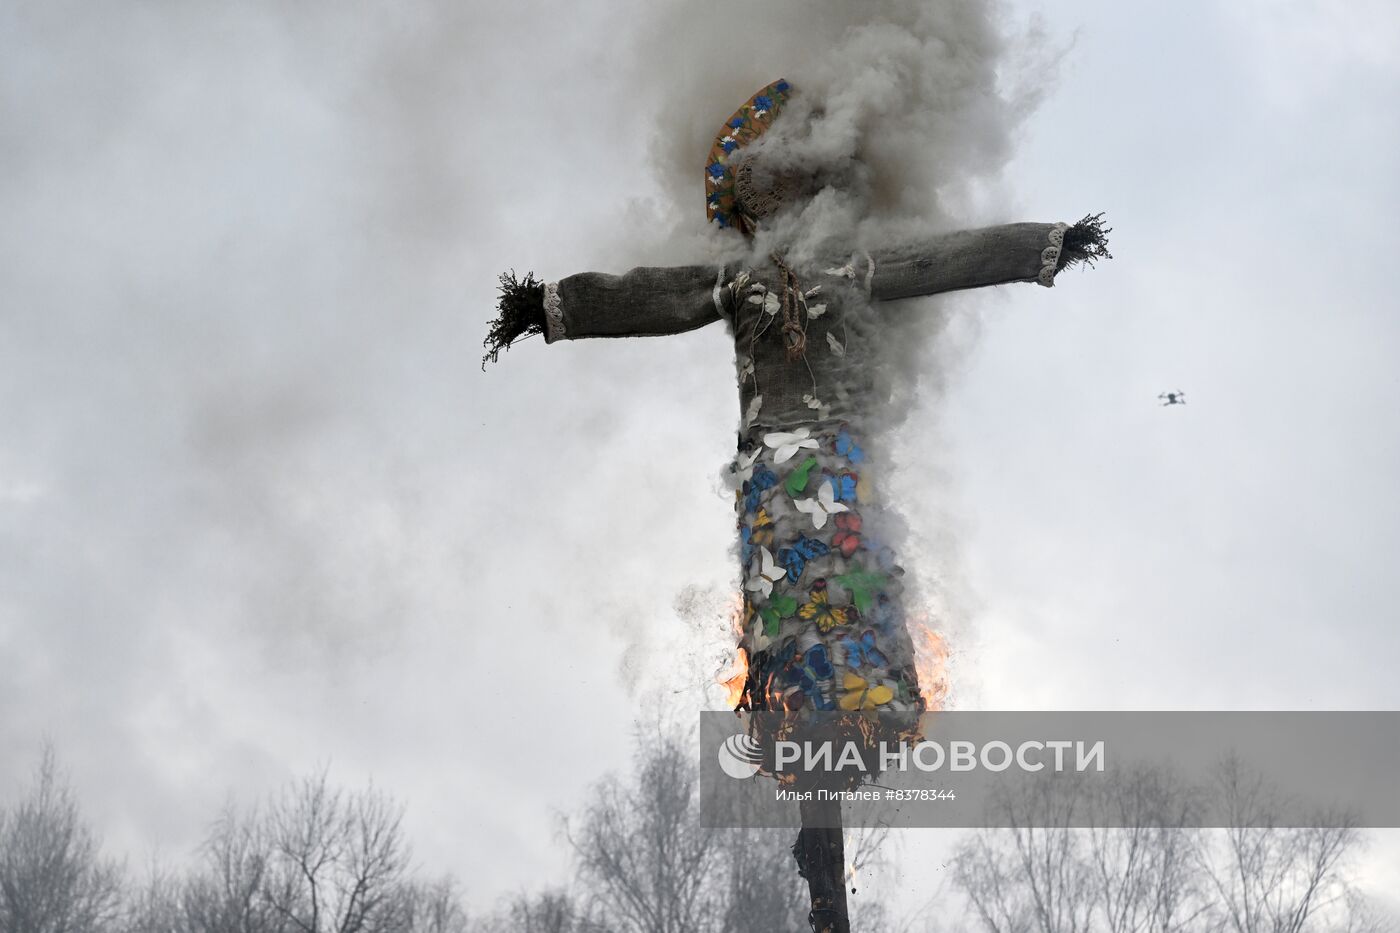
point(1173, 398)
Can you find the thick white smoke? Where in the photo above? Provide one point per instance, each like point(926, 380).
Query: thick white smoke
point(925, 97)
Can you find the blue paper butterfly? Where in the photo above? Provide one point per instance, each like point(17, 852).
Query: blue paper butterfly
point(844, 486)
point(847, 447)
point(809, 672)
point(762, 479)
point(795, 556)
point(862, 651)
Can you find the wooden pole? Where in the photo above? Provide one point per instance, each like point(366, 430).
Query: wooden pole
point(821, 859)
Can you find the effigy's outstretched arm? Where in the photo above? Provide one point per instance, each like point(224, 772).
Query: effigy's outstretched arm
point(645, 302)
point(1022, 252)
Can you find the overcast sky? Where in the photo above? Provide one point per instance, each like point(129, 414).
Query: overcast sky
point(260, 510)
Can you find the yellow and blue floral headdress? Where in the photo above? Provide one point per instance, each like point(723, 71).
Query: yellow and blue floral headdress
point(747, 124)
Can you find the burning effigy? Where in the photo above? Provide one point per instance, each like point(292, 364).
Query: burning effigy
point(823, 625)
point(823, 622)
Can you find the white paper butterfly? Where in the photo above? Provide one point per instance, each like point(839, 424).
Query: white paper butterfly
point(787, 443)
point(754, 407)
point(743, 465)
point(768, 573)
point(821, 505)
point(768, 300)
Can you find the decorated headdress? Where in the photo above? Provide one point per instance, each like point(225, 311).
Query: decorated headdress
point(747, 124)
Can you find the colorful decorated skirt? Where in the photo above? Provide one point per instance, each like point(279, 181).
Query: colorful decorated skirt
point(823, 627)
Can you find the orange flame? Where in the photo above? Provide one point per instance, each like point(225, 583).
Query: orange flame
point(736, 676)
point(931, 657)
point(931, 662)
point(734, 686)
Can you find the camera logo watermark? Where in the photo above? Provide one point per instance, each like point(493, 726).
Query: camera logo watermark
point(740, 756)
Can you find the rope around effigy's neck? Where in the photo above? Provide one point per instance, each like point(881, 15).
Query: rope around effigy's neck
point(794, 328)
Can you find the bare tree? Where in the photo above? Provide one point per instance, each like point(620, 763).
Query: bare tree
point(1035, 875)
point(154, 905)
point(549, 912)
point(760, 889)
point(52, 876)
point(230, 894)
point(1271, 878)
point(338, 862)
point(433, 908)
point(647, 865)
point(756, 888)
point(1144, 872)
point(316, 860)
point(1143, 867)
point(1362, 915)
point(646, 861)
